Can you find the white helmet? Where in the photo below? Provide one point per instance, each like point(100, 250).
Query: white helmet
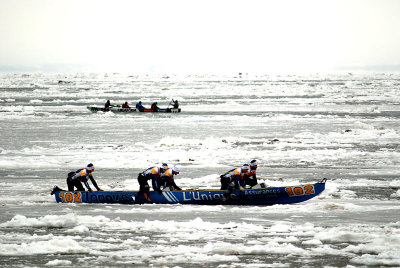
point(246, 166)
point(90, 167)
point(164, 166)
point(176, 168)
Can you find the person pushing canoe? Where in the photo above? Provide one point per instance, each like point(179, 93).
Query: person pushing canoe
point(82, 175)
point(251, 177)
point(167, 178)
point(235, 178)
point(75, 179)
point(153, 174)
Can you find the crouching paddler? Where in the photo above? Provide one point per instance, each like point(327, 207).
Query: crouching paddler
point(75, 179)
point(234, 179)
point(167, 178)
point(153, 174)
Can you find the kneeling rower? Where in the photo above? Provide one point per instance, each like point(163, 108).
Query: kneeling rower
point(234, 179)
point(168, 178)
point(251, 177)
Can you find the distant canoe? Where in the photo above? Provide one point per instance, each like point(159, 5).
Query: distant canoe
point(114, 109)
point(262, 196)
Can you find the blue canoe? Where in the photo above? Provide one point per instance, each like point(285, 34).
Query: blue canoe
point(262, 196)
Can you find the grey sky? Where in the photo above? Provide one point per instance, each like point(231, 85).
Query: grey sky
point(199, 36)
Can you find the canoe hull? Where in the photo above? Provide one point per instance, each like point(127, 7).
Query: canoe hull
point(95, 109)
point(263, 196)
point(167, 110)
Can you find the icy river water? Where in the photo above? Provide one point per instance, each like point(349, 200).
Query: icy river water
point(300, 128)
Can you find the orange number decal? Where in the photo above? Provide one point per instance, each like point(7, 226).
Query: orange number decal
point(71, 197)
point(289, 191)
point(68, 197)
point(78, 197)
point(298, 191)
point(309, 189)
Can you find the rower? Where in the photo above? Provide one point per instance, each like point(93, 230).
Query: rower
point(153, 174)
point(235, 178)
point(251, 178)
point(107, 105)
point(168, 178)
point(76, 178)
point(175, 104)
point(139, 106)
point(154, 107)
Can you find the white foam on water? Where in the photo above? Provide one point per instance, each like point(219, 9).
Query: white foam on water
point(367, 245)
point(59, 263)
point(396, 195)
point(56, 245)
point(69, 220)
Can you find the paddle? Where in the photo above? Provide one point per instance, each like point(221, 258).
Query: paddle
point(170, 103)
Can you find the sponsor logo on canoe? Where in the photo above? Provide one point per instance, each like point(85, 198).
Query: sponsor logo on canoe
point(125, 110)
point(76, 197)
point(111, 198)
point(190, 196)
point(262, 192)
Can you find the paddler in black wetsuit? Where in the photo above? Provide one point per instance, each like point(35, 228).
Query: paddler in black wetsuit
point(234, 179)
point(251, 177)
point(75, 179)
point(167, 178)
point(175, 104)
point(153, 174)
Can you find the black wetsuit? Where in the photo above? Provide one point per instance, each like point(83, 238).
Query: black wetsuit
point(76, 181)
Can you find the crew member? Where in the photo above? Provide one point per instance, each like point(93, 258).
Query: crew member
point(125, 105)
point(251, 178)
point(139, 106)
point(154, 107)
point(234, 178)
point(153, 174)
point(176, 104)
point(76, 178)
point(107, 105)
point(168, 178)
